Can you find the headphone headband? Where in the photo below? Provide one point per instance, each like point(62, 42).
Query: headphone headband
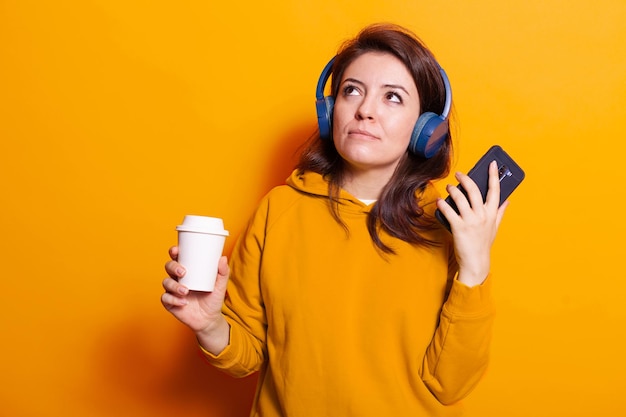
point(321, 83)
point(446, 83)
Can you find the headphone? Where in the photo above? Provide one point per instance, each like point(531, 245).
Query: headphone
point(429, 133)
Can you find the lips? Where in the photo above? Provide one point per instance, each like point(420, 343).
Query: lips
point(359, 132)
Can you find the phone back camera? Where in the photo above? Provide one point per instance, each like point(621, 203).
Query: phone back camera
point(503, 172)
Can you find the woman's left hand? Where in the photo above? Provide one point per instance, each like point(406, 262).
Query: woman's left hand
point(474, 228)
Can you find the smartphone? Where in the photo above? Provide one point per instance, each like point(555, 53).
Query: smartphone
point(510, 174)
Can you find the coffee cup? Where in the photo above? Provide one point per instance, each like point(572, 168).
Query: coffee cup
point(200, 245)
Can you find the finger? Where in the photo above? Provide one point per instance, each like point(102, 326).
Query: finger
point(458, 196)
point(174, 253)
point(170, 301)
point(174, 269)
point(449, 213)
point(493, 194)
point(223, 273)
point(222, 266)
point(474, 196)
point(501, 211)
point(172, 286)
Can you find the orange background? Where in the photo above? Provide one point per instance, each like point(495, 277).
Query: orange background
point(117, 118)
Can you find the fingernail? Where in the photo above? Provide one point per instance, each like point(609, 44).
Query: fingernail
point(180, 271)
point(183, 290)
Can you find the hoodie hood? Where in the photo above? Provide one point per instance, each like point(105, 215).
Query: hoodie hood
point(309, 183)
point(315, 184)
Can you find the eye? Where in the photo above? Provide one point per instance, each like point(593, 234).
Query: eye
point(393, 97)
point(351, 90)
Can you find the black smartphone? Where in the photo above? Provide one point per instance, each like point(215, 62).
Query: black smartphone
point(511, 175)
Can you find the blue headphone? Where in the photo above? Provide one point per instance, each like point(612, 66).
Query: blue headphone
point(429, 133)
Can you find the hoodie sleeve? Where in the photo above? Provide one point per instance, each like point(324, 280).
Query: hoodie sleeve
point(458, 355)
point(244, 308)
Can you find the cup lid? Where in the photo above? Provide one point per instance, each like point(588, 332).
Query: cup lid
point(202, 224)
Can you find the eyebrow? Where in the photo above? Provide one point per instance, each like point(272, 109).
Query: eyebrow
point(394, 86)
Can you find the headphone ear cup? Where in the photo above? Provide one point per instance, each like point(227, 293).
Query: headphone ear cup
point(324, 109)
point(429, 134)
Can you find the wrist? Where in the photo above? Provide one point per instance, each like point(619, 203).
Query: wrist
point(215, 338)
point(471, 279)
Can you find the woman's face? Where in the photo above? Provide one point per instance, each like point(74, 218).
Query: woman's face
point(375, 110)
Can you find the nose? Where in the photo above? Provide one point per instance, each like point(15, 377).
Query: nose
point(366, 109)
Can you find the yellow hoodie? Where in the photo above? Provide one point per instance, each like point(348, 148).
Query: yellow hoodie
point(336, 329)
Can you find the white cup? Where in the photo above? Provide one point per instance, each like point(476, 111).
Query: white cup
point(200, 245)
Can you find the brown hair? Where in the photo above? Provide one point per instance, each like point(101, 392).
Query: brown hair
point(397, 211)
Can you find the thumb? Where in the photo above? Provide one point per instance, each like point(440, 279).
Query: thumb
point(223, 273)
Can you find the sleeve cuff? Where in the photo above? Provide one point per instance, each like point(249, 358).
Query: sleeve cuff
point(470, 301)
point(226, 357)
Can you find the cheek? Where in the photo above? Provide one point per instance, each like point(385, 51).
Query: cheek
point(401, 130)
point(339, 111)
point(339, 119)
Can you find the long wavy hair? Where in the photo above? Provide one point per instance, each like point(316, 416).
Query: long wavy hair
point(398, 210)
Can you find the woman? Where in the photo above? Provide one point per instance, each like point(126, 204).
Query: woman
point(344, 292)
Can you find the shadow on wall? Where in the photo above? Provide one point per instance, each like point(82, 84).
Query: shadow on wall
point(287, 153)
point(149, 369)
point(143, 370)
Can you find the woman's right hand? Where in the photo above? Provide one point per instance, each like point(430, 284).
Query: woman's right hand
point(200, 311)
